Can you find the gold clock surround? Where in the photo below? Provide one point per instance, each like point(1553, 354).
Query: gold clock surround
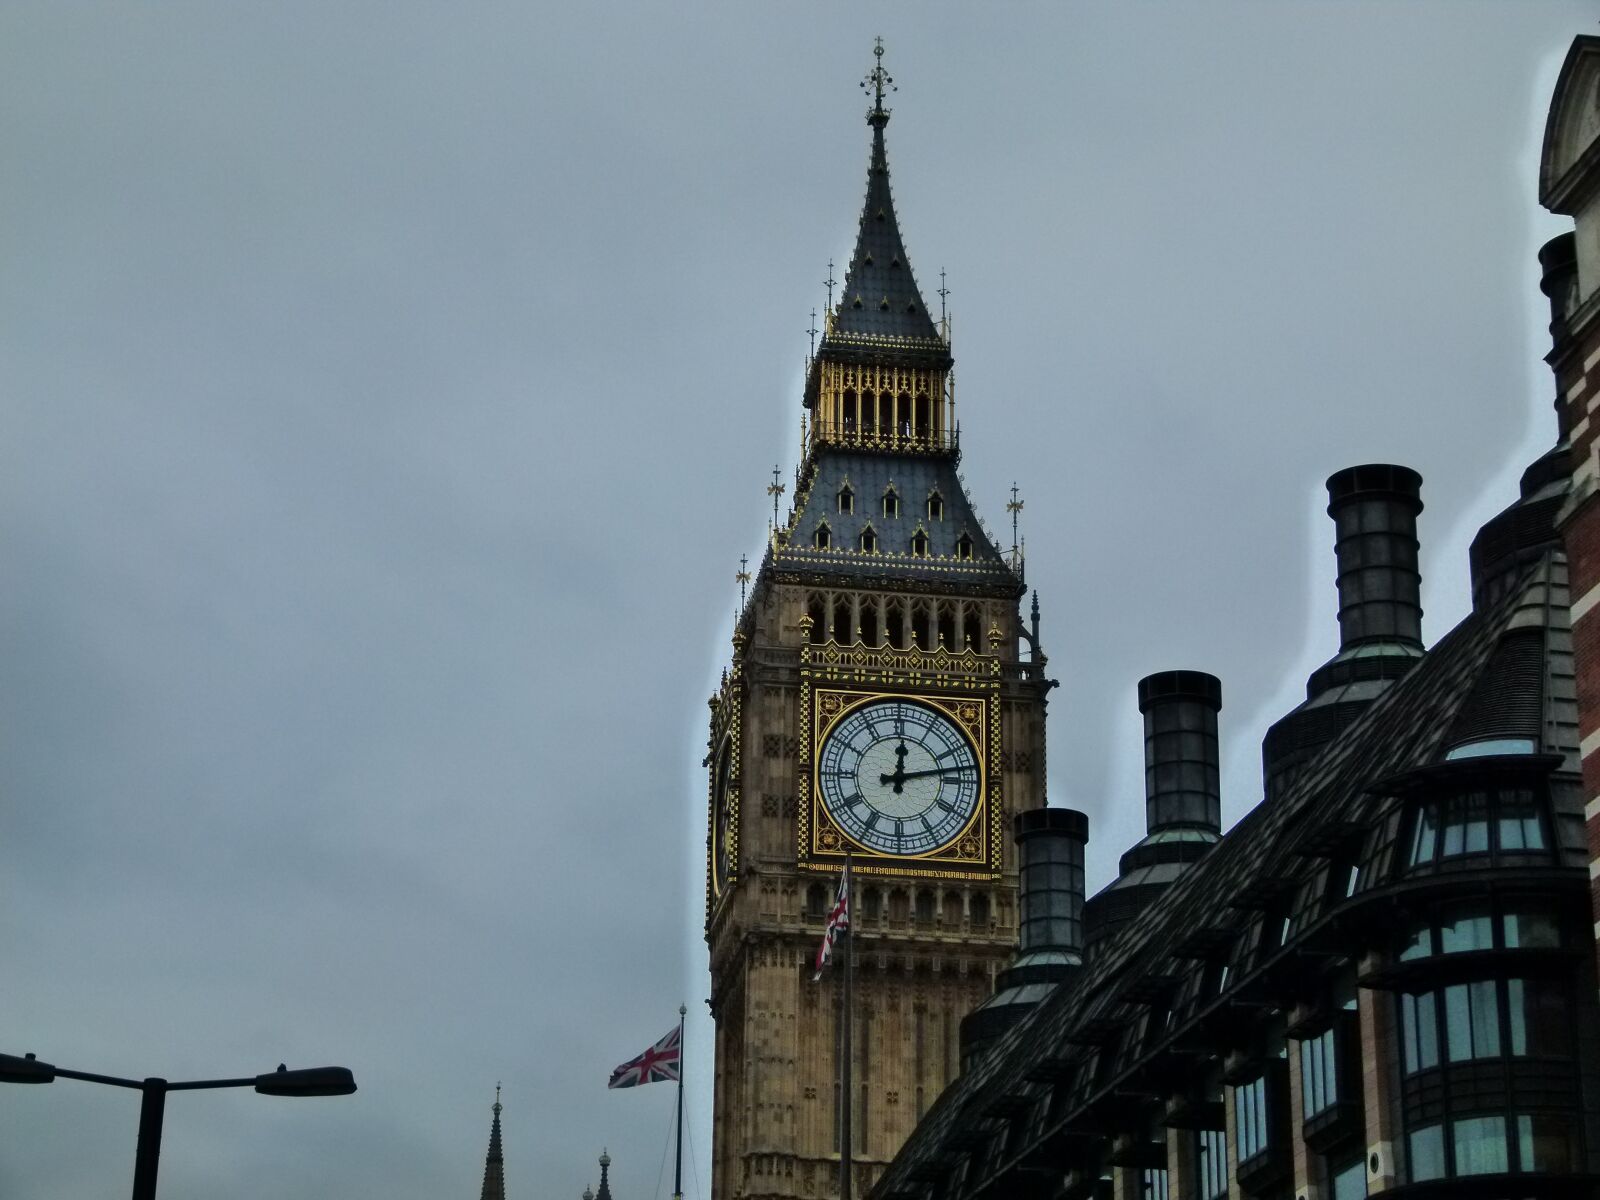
point(963, 686)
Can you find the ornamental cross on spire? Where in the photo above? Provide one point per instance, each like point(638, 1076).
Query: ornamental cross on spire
point(775, 489)
point(877, 82)
point(1014, 507)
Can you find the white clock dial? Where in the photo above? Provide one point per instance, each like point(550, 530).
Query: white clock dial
point(898, 777)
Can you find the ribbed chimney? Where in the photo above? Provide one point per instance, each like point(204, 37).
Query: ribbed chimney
point(1374, 509)
point(1050, 948)
point(1182, 798)
point(1182, 789)
point(1052, 842)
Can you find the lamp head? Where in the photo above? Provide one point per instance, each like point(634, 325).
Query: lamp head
point(313, 1081)
point(27, 1069)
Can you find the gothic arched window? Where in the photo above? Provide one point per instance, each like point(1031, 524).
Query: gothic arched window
point(935, 506)
point(919, 544)
point(891, 503)
point(823, 538)
point(847, 499)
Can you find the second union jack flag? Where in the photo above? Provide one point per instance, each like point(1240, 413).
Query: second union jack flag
point(838, 922)
point(656, 1065)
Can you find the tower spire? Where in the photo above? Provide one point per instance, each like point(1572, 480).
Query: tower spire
point(880, 298)
point(494, 1170)
point(605, 1185)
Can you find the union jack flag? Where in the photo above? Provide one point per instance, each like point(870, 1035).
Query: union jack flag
point(838, 922)
point(656, 1065)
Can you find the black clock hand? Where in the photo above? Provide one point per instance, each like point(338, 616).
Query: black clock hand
point(935, 771)
point(899, 776)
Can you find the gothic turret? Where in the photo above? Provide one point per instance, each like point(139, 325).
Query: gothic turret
point(494, 1169)
point(605, 1184)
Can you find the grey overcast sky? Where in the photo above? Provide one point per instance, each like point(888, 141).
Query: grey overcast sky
point(389, 391)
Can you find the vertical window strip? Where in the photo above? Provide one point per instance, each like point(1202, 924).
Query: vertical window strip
point(1250, 1118)
point(1211, 1164)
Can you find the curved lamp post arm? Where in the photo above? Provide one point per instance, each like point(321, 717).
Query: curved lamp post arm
point(314, 1081)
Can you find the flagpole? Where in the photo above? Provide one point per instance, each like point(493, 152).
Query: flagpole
point(677, 1173)
point(846, 1014)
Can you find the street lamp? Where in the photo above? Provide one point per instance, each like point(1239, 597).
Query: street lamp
point(317, 1081)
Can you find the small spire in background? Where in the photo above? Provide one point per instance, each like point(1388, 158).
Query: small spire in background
point(743, 577)
point(812, 353)
point(494, 1169)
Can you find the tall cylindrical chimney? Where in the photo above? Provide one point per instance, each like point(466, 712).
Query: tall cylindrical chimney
point(1374, 509)
point(1052, 842)
point(1181, 785)
point(1050, 939)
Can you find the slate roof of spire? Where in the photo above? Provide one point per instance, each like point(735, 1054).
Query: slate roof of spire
point(880, 303)
point(494, 1170)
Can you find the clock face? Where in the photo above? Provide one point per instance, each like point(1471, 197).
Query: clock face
point(721, 849)
point(898, 777)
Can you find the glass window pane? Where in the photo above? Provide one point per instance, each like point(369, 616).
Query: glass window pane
point(1480, 1145)
point(1420, 945)
point(1469, 929)
point(1544, 1142)
point(1531, 930)
point(1518, 826)
point(1472, 1027)
point(1350, 1181)
point(1211, 1164)
point(1425, 1149)
point(1420, 1032)
point(1541, 1025)
point(1476, 814)
point(1485, 1018)
point(1423, 838)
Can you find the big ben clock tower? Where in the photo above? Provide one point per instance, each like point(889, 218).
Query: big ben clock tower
point(878, 703)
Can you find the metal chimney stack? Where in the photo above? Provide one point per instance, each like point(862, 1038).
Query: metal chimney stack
point(1374, 510)
point(1050, 938)
point(1182, 788)
point(1052, 842)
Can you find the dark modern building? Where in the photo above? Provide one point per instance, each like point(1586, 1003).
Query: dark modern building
point(1382, 978)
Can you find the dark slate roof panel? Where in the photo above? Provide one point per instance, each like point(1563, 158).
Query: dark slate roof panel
point(880, 297)
point(914, 479)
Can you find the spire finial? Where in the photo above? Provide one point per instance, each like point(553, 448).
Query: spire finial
point(497, 1097)
point(743, 577)
point(830, 281)
point(1014, 506)
point(877, 82)
point(943, 292)
point(813, 332)
point(775, 489)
